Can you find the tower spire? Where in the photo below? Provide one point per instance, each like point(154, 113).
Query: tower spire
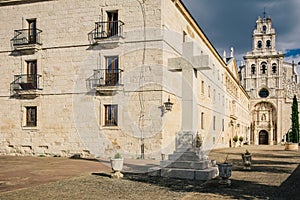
point(264, 12)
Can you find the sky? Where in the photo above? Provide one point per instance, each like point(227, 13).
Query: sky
point(230, 23)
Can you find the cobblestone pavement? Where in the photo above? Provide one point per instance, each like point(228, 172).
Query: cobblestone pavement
point(274, 174)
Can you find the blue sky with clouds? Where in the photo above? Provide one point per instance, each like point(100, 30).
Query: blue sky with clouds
point(230, 23)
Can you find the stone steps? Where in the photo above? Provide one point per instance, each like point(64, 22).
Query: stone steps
point(187, 174)
point(197, 165)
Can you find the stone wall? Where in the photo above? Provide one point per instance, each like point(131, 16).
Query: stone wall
point(71, 115)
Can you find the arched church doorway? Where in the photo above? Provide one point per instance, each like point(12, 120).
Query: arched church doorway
point(263, 125)
point(263, 137)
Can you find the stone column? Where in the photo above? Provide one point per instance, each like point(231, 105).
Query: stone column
point(271, 142)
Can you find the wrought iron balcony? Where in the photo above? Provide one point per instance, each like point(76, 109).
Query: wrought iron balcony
point(26, 85)
point(112, 31)
point(26, 39)
point(105, 80)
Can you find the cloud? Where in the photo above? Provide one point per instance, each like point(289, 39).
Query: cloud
point(231, 22)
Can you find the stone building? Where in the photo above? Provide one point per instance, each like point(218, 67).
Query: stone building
point(98, 77)
point(271, 84)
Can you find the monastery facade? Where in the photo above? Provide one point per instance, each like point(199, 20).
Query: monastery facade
point(99, 77)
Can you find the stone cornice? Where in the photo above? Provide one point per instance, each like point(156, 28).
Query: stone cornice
point(264, 56)
point(18, 2)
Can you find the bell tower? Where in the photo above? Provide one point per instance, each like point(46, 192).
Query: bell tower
point(262, 77)
point(264, 36)
point(262, 73)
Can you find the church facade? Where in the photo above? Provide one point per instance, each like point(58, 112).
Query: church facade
point(271, 84)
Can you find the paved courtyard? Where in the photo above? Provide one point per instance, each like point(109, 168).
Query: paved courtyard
point(275, 174)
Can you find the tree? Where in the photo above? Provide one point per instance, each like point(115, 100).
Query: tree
point(294, 134)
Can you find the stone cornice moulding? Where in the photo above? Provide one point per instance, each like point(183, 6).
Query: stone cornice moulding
point(19, 2)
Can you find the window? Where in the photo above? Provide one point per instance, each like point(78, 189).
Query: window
point(268, 44)
point(112, 71)
point(202, 120)
point(259, 44)
point(31, 75)
point(274, 68)
point(263, 93)
point(208, 91)
point(264, 28)
point(223, 122)
point(31, 116)
point(214, 123)
point(253, 69)
point(112, 23)
point(202, 87)
point(263, 67)
point(111, 115)
point(32, 31)
point(184, 37)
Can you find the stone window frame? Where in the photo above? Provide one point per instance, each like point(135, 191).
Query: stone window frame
point(25, 113)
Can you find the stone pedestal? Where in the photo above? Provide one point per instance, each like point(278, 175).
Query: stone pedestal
point(185, 163)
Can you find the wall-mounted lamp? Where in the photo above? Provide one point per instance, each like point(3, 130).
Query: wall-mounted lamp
point(231, 123)
point(168, 105)
point(238, 125)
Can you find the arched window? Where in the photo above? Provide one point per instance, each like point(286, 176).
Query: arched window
point(263, 67)
point(259, 44)
point(274, 68)
point(268, 44)
point(253, 69)
point(264, 28)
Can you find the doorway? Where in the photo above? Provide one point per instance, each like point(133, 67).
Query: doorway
point(263, 137)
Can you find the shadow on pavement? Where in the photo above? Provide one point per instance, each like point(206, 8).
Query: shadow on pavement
point(289, 189)
point(238, 189)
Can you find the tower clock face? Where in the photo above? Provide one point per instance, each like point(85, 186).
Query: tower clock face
point(263, 93)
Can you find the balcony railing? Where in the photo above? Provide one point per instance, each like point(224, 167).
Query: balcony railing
point(105, 77)
point(26, 37)
point(26, 82)
point(106, 29)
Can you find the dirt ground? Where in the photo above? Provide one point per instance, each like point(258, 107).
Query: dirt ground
point(25, 172)
point(274, 174)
